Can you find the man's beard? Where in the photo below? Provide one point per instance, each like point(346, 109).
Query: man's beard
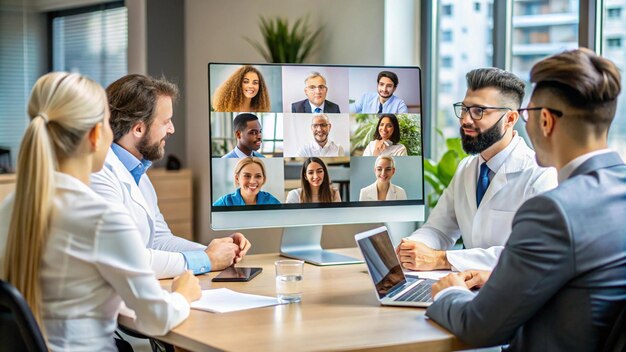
point(482, 141)
point(151, 152)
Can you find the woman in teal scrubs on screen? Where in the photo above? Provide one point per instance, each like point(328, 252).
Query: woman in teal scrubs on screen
point(249, 178)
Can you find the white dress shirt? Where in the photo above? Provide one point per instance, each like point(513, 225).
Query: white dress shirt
point(89, 265)
point(370, 193)
point(294, 195)
point(393, 150)
point(486, 228)
point(314, 149)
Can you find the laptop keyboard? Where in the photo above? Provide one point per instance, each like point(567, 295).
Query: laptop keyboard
point(419, 293)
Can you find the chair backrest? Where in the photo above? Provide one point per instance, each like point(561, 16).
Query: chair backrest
point(18, 327)
point(617, 338)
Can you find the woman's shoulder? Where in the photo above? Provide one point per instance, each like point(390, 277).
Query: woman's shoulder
point(266, 198)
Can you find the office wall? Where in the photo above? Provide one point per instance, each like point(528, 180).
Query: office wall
point(214, 31)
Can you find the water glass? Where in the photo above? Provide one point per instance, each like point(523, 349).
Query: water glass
point(288, 280)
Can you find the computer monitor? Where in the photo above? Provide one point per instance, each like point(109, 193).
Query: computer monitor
point(302, 146)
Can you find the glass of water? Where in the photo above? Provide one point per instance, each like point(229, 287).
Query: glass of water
point(288, 280)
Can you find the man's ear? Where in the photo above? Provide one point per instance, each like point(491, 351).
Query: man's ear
point(94, 136)
point(511, 118)
point(238, 134)
point(546, 122)
point(138, 129)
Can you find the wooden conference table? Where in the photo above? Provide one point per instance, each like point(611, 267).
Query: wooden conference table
point(338, 312)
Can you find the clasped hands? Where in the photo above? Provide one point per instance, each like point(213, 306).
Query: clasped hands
point(226, 251)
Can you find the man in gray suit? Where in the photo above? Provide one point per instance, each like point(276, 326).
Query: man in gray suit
point(561, 279)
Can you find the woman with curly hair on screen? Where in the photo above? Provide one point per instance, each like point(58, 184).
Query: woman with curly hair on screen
point(244, 91)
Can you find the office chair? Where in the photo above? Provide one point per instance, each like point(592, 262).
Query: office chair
point(18, 327)
point(617, 338)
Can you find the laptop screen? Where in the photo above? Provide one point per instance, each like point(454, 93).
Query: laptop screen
point(382, 262)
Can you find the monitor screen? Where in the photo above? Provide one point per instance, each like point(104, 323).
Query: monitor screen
point(295, 145)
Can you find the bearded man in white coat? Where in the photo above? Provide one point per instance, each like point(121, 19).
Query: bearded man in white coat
point(487, 188)
point(141, 120)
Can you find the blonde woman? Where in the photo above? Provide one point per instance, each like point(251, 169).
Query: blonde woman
point(72, 255)
point(383, 189)
point(249, 177)
point(244, 91)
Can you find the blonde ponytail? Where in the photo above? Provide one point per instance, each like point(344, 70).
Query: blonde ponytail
point(63, 107)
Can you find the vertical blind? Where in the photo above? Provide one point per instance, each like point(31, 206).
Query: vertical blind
point(92, 43)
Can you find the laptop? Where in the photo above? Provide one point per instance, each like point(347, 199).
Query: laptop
point(392, 287)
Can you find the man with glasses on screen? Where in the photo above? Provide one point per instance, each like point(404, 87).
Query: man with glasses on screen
point(315, 89)
point(141, 120)
point(560, 283)
point(487, 188)
point(320, 146)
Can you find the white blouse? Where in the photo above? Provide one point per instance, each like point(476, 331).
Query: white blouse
point(93, 260)
point(393, 150)
point(294, 195)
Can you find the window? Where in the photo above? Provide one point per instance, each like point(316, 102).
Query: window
point(612, 39)
point(461, 54)
point(446, 10)
point(92, 41)
point(614, 43)
point(477, 6)
point(614, 12)
point(446, 36)
point(552, 29)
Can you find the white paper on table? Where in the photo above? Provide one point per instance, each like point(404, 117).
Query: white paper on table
point(433, 275)
point(223, 300)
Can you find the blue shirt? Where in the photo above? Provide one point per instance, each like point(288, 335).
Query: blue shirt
point(237, 153)
point(368, 104)
point(136, 167)
point(197, 261)
point(235, 198)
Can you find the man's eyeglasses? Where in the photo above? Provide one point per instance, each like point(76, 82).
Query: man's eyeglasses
point(524, 112)
point(476, 112)
point(321, 87)
point(320, 125)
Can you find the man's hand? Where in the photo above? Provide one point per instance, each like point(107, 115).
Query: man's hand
point(418, 256)
point(187, 285)
point(454, 279)
point(243, 243)
point(476, 278)
point(222, 253)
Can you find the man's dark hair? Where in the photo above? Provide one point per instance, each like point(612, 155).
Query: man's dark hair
point(392, 76)
point(133, 98)
point(509, 85)
point(583, 81)
point(241, 121)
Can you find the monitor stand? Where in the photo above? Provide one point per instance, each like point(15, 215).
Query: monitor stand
point(304, 243)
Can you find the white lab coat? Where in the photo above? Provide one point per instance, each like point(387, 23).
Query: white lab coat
point(115, 184)
point(485, 229)
point(370, 193)
point(89, 265)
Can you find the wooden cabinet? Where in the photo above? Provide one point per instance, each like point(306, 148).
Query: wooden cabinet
point(7, 185)
point(175, 189)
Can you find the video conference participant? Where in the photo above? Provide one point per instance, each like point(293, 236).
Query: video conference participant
point(72, 254)
point(247, 130)
point(383, 100)
point(141, 119)
point(386, 138)
point(560, 279)
point(316, 185)
point(245, 90)
point(383, 189)
point(315, 89)
point(249, 177)
point(321, 146)
point(487, 187)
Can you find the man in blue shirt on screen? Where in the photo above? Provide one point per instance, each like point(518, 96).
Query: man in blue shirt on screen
point(382, 101)
point(248, 132)
point(141, 120)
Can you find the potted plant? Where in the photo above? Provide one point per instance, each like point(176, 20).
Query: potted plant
point(282, 44)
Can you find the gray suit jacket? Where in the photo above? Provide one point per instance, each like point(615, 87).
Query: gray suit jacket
point(562, 274)
point(303, 106)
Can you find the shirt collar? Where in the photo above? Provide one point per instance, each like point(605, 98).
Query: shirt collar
point(313, 107)
point(569, 168)
point(498, 160)
point(135, 166)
